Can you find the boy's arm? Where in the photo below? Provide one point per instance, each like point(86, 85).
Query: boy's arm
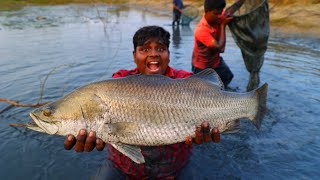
point(221, 42)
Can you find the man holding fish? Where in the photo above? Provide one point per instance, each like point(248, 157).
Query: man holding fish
point(148, 120)
point(149, 117)
point(151, 55)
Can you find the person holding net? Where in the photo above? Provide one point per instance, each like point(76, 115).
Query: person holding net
point(177, 11)
point(210, 40)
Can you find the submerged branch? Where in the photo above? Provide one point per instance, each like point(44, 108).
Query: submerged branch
point(14, 103)
point(39, 103)
point(17, 125)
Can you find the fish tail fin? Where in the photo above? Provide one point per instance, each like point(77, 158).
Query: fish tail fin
point(261, 94)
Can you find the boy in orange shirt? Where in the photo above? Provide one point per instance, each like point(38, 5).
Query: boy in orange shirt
point(210, 40)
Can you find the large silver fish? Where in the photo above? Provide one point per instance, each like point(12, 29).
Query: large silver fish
point(149, 110)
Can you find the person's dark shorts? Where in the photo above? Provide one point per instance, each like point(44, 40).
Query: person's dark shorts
point(222, 70)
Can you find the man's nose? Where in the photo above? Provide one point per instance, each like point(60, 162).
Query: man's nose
point(153, 52)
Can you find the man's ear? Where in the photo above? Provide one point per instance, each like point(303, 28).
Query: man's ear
point(134, 56)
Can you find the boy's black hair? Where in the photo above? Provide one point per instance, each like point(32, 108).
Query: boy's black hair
point(147, 32)
point(210, 5)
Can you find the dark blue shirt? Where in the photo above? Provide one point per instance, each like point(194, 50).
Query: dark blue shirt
point(178, 3)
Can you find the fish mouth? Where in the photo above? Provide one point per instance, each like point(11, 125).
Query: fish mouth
point(42, 126)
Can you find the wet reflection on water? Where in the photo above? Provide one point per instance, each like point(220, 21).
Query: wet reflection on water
point(82, 44)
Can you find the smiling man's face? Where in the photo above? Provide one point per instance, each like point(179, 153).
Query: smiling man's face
point(152, 57)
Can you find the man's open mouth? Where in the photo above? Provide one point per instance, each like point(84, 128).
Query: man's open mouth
point(153, 66)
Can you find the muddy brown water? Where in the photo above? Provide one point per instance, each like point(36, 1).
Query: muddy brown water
point(69, 46)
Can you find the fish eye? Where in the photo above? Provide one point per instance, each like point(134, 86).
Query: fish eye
point(46, 112)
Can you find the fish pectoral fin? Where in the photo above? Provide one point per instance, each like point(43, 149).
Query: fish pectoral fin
point(132, 152)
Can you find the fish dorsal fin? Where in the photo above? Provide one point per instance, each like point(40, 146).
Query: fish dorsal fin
point(211, 76)
point(132, 152)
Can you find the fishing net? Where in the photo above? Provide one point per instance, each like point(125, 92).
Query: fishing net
point(250, 30)
point(189, 13)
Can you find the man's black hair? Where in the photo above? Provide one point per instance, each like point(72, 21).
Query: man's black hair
point(210, 5)
point(147, 32)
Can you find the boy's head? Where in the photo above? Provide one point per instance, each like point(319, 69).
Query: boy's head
point(210, 5)
point(213, 10)
point(151, 50)
point(147, 32)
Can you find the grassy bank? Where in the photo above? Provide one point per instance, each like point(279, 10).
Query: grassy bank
point(288, 17)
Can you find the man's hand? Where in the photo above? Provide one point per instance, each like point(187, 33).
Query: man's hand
point(83, 142)
point(203, 134)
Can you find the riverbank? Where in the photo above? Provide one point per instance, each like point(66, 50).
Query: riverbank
point(294, 19)
point(297, 18)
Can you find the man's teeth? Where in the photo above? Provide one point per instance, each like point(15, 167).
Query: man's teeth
point(153, 62)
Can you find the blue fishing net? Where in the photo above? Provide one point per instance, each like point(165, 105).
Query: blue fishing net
point(189, 13)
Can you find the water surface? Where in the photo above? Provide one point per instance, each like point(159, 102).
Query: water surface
point(64, 47)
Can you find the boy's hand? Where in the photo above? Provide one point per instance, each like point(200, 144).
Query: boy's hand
point(83, 142)
point(225, 19)
point(203, 134)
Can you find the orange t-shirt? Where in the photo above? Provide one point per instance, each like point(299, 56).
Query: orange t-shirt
point(202, 56)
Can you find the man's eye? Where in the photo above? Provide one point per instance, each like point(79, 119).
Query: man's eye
point(145, 49)
point(160, 49)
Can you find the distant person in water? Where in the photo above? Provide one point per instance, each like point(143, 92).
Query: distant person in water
point(177, 11)
point(210, 40)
